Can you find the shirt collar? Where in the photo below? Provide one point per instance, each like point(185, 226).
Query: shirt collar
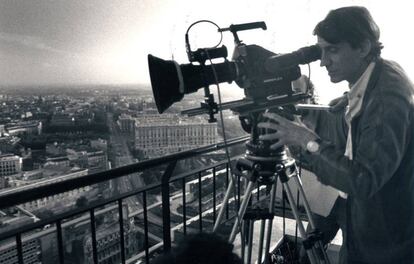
point(357, 91)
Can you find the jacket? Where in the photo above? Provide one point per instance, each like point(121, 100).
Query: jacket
point(380, 178)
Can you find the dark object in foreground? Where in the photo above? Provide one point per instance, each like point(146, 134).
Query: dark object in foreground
point(201, 248)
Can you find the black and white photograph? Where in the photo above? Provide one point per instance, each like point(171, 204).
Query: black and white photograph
point(206, 132)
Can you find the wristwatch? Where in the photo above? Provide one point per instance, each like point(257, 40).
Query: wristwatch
point(313, 146)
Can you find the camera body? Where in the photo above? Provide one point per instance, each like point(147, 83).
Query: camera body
point(259, 83)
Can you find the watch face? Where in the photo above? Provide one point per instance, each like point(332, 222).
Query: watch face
point(312, 146)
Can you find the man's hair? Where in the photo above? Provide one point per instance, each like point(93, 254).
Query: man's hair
point(352, 24)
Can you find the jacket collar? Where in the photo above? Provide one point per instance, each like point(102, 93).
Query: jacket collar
point(376, 73)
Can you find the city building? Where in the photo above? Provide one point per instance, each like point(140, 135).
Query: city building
point(62, 119)
point(100, 144)
point(31, 252)
point(68, 197)
point(157, 135)
point(10, 164)
point(126, 123)
point(8, 144)
point(108, 242)
point(40, 247)
point(2, 130)
point(25, 127)
point(33, 175)
point(61, 161)
point(45, 176)
point(97, 161)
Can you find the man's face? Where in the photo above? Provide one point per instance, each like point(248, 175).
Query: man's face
point(341, 61)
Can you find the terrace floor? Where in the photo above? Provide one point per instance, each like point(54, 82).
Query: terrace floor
point(277, 235)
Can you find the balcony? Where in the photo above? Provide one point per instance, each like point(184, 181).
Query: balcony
point(137, 223)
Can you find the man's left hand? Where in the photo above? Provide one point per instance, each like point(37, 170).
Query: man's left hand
point(286, 132)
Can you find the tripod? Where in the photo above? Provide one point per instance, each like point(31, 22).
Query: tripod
point(262, 166)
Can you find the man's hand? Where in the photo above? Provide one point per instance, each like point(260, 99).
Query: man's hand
point(339, 103)
point(288, 132)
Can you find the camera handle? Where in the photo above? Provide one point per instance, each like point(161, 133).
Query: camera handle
point(240, 27)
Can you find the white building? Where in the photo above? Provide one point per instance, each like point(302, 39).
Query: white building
point(160, 135)
point(67, 197)
point(10, 164)
point(29, 127)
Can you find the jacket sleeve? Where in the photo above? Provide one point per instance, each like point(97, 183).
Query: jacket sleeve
point(383, 135)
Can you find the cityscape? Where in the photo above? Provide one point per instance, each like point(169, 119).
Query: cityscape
point(50, 134)
point(76, 103)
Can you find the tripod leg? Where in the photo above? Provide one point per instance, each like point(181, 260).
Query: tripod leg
point(261, 237)
point(320, 251)
point(243, 241)
point(241, 212)
point(270, 221)
point(230, 188)
point(295, 212)
point(250, 241)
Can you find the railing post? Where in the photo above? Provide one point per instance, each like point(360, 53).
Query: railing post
point(165, 193)
point(200, 204)
point(121, 231)
point(19, 248)
point(184, 208)
point(146, 243)
point(93, 236)
point(60, 241)
point(214, 195)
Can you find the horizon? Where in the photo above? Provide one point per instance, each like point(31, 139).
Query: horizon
point(87, 42)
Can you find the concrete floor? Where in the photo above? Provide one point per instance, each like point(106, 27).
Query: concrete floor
point(277, 235)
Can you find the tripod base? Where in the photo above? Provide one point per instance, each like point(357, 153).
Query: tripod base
point(287, 250)
point(259, 173)
point(281, 244)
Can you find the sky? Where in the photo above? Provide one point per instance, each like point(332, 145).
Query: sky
point(107, 41)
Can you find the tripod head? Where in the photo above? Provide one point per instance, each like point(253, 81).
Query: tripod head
point(263, 162)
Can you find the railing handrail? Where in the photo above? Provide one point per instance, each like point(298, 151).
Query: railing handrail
point(14, 197)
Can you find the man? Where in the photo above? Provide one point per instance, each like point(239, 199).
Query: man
point(374, 166)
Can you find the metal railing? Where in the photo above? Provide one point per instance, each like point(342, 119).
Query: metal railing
point(18, 237)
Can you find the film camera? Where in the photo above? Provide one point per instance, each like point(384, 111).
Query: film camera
point(266, 78)
point(260, 72)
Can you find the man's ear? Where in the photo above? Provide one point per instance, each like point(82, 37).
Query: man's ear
point(365, 48)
